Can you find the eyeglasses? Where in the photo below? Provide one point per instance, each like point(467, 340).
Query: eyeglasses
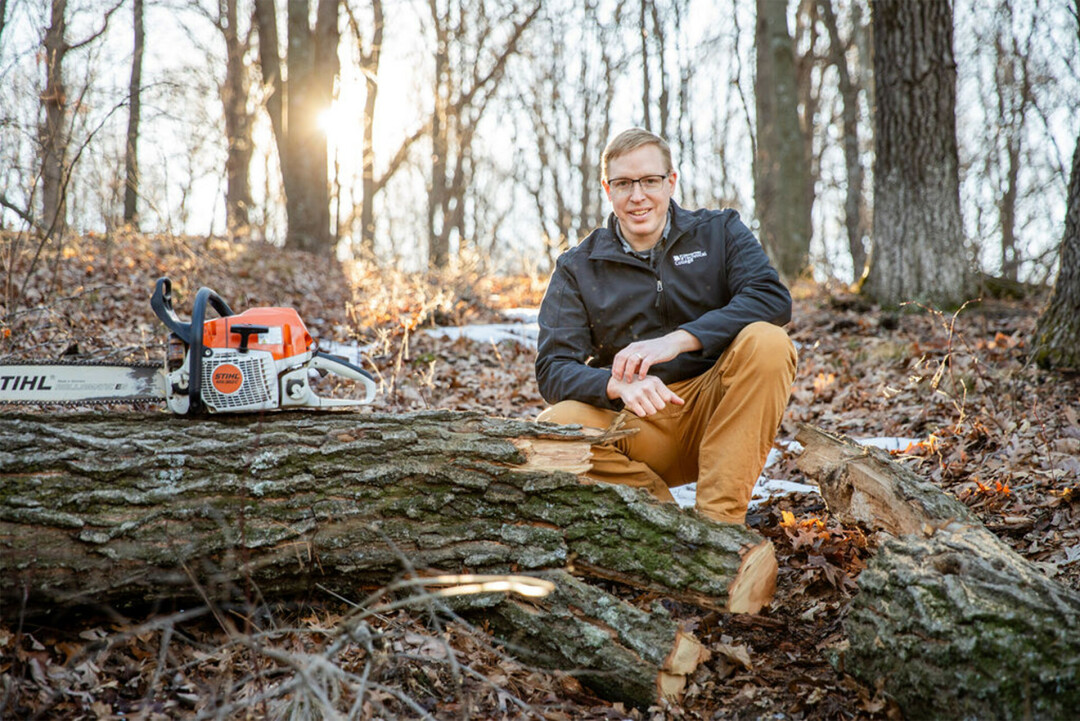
point(648, 183)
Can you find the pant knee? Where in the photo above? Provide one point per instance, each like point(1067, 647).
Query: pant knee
point(766, 346)
point(576, 413)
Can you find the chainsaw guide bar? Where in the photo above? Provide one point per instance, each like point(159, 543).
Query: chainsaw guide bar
point(81, 382)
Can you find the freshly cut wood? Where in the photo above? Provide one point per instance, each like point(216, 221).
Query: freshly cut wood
point(949, 620)
point(119, 509)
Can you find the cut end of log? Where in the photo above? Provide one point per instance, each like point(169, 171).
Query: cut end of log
point(544, 454)
point(670, 686)
point(755, 583)
point(686, 655)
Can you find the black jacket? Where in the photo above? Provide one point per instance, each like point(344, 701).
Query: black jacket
point(711, 279)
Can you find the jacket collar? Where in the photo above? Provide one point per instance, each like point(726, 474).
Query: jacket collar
point(606, 245)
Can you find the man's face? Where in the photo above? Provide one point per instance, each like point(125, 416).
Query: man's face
point(642, 214)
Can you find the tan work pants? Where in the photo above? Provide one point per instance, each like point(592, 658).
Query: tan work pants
point(720, 437)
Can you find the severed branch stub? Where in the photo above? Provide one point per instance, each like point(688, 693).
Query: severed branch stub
point(122, 509)
point(949, 620)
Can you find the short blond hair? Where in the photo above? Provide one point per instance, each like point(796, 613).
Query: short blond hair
point(632, 139)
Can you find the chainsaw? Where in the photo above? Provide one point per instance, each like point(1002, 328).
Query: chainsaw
point(258, 360)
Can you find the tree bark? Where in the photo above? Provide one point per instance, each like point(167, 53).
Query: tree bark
point(1057, 334)
point(118, 508)
point(780, 172)
point(131, 160)
point(949, 620)
point(919, 253)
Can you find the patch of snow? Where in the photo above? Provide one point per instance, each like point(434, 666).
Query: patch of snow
point(521, 315)
point(889, 444)
point(523, 333)
point(520, 328)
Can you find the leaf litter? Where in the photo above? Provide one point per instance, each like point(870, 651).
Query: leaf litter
point(999, 434)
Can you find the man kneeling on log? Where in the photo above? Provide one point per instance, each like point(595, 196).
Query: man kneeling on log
point(675, 316)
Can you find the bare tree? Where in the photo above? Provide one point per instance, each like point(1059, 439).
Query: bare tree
point(131, 156)
point(919, 249)
point(1057, 334)
point(780, 172)
point(849, 83)
point(567, 96)
point(235, 91)
point(294, 106)
point(54, 132)
point(465, 82)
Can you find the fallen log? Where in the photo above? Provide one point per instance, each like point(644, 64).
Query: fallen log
point(617, 649)
point(119, 509)
point(948, 619)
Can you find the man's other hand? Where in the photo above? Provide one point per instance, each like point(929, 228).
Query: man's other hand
point(643, 396)
point(634, 360)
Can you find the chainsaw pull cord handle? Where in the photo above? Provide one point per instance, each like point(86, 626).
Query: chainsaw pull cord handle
point(195, 343)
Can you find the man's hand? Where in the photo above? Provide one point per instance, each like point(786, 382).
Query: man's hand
point(642, 396)
point(634, 360)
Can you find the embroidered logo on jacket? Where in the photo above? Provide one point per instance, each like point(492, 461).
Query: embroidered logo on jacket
point(688, 258)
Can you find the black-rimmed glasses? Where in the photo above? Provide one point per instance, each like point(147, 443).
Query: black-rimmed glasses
point(648, 183)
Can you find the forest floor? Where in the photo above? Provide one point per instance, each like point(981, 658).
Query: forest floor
point(1000, 435)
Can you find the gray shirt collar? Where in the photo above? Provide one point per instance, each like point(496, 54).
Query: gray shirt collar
point(650, 254)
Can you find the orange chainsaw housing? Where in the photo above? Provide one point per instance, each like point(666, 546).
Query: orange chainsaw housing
point(287, 336)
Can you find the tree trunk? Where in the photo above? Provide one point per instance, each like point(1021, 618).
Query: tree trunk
point(370, 65)
point(53, 133)
point(115, 508)
point(1057, 334)
point(949, 620)
point(131, 162)
point(919, 252)
point(438, 233)
point(3, 20)
point(238, 121)
point(302, 150)
point(780, 172)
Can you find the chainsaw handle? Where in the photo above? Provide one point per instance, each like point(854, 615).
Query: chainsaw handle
point(339, 366)
point(161, 302)
point(195, 342)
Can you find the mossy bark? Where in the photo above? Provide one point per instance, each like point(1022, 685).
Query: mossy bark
point(949, 620)
point(955, 629)
point(113, 508)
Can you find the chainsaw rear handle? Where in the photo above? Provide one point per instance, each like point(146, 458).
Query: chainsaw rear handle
point(190, 333)
point(339, 366)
